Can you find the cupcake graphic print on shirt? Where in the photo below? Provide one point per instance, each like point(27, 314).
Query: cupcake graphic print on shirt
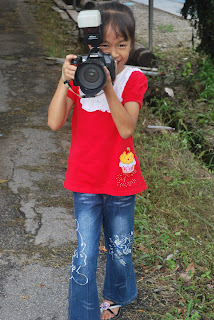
point(127, 161)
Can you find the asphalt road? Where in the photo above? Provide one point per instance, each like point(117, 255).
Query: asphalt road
point(34, 228)
point(37, 226)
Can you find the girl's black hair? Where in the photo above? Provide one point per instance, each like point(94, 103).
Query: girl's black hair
point(121, 19)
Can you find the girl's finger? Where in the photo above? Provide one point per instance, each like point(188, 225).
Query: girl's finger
point(68, 68)
point(69, 57)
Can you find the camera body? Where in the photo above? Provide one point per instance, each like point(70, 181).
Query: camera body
point(90, 74)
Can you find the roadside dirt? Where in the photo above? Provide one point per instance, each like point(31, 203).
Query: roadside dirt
point(169, 31)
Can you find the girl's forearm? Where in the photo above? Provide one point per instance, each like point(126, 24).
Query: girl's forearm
point(124, 122)
point(57, 112)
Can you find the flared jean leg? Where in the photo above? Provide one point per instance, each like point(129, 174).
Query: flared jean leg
point(120, 282)
point(83, 296)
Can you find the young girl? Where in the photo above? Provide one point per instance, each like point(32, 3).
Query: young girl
point(103, 171)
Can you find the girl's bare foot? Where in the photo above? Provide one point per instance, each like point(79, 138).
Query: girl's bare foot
point(107, 314)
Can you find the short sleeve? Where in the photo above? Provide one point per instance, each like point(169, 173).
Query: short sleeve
point(135, 88)
point(71, 94)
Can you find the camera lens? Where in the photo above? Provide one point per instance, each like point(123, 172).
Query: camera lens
point(91, 74)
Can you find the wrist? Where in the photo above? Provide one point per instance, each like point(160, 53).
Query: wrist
point(108, 88)
point(65, 82)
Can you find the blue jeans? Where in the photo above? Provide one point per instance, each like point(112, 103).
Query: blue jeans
point(116, 214)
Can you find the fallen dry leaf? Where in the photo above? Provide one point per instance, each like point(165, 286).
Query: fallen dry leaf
point(143, 248)
point(3, 181)
point(210, 286)
point(184, 276)
point(190, 269)
point(102, 249)
point(189, 272)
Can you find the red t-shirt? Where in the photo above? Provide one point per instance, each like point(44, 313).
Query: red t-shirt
point(100, 161)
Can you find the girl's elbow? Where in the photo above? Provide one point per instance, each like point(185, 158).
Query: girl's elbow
point(53, 126)
point(126, 134)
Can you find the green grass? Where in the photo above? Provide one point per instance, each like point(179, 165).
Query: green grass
point(56, 34)
point(165, 28)
point(174, 223)
point(191, 110)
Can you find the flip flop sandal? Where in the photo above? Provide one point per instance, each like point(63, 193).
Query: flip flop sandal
point(107, 306)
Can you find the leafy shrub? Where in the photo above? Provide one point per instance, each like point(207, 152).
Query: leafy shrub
point(201, 15)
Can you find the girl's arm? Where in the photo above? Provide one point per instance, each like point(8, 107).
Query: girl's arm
point(125, 117)
point(61, 105)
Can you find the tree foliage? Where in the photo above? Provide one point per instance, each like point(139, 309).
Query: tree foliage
point(201, 13)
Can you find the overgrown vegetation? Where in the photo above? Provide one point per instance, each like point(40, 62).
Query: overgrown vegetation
point(57, 35)
point(165, 28)
point(191, 111)
point(201, 15)
point(174, 225)
point(175, 218)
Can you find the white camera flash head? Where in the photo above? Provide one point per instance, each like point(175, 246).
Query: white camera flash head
point(89, 19)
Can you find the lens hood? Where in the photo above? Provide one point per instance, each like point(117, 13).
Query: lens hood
point(91, 76)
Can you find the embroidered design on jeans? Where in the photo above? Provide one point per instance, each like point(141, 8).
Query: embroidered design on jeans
point(120, 247)
point(79, 261)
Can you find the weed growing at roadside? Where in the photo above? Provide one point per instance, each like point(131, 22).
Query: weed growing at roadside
point(56, 34)
point(191, 110)
point(165, 28)
point(174, 226)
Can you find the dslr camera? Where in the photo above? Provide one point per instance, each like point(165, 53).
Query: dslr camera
point(90, 74)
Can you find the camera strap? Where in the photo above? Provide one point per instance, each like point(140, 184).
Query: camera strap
point(66, 82)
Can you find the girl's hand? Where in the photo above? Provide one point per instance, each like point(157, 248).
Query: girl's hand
point(68, 69)
point(108, 83)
